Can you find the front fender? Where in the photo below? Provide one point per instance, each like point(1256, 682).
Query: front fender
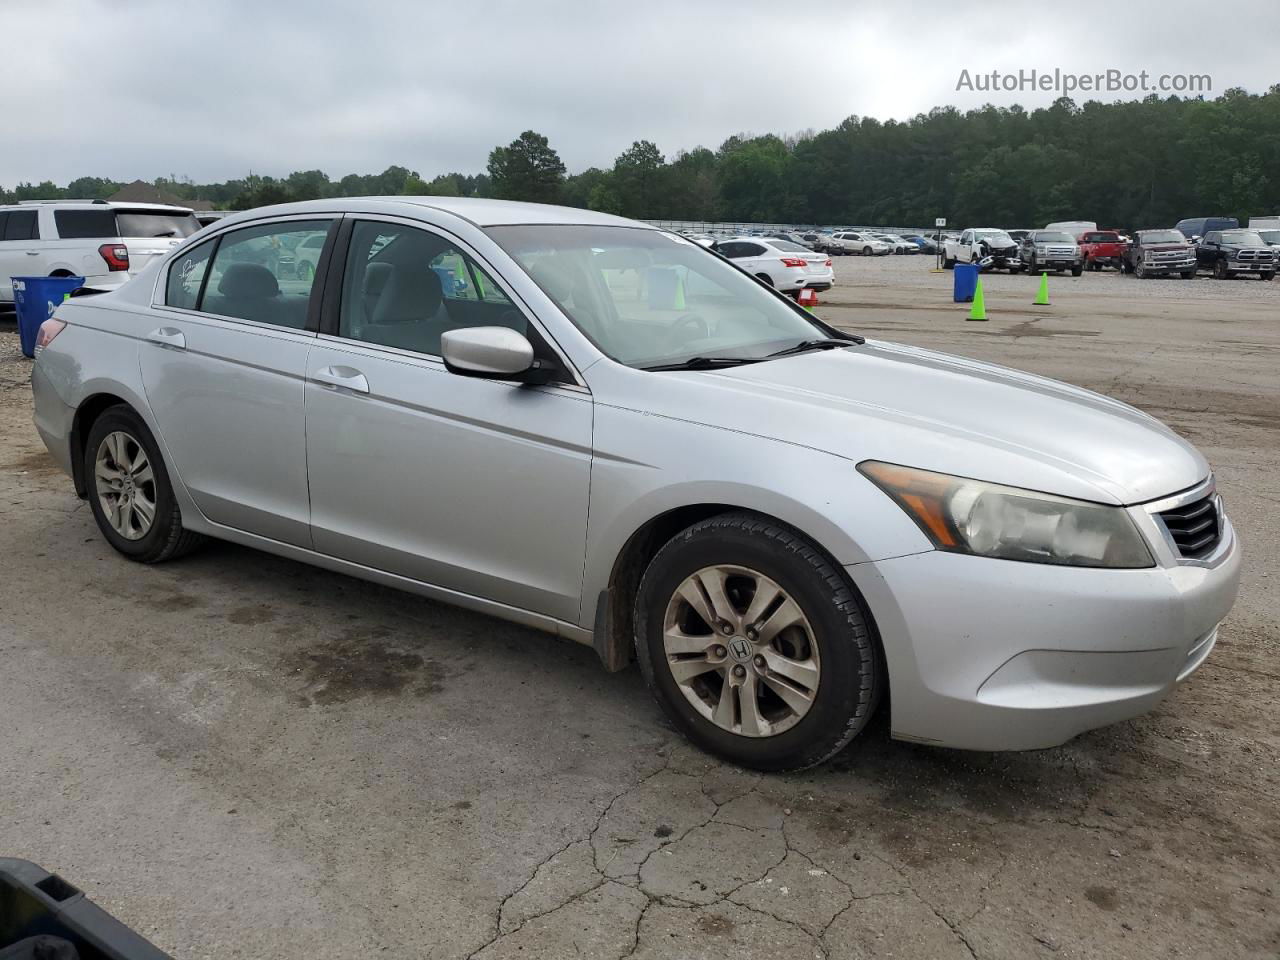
point(646, 466)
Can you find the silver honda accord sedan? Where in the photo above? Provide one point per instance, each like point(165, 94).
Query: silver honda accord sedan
point(605, 431)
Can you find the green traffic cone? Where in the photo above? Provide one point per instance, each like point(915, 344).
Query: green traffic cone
point(1042, 298)
point(979, 309)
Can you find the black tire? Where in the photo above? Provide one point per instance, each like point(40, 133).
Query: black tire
point(1140, 271)
point(1188, 274)
point(1220, 270)
point(866, 251)
point(765, 278)
point(852, 674)
point(1076, 271)
point(166, 538)
point(948, 264)
point(1267, 275)
point(1032, 266)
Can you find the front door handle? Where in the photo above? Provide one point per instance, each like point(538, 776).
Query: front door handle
point(33, 253)
point(342, 378)
point(168, 337)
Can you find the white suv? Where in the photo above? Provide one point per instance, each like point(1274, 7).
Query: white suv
point(848, 241)
point(103, 242)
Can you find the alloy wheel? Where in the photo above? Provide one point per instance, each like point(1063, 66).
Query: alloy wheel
point(741, 650)
point(125, 485)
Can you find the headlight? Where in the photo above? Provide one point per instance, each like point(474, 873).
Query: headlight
point(988, 520)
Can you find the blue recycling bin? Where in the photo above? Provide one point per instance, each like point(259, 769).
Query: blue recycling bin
point(35, 299)
point(965, 284)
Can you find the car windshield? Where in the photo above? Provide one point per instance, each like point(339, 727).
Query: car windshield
point(1244, 238)
point(648, 298)
point(1163, 236)
point(1054, 236)
point(992, 235)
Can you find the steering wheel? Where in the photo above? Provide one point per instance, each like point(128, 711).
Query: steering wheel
point(692, 322)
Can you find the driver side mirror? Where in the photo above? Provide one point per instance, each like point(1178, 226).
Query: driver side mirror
point(494, 353)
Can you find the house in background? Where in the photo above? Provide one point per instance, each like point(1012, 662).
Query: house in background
point(142, 192)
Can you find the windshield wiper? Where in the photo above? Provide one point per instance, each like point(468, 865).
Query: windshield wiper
point(704, 363)
point(806, 345)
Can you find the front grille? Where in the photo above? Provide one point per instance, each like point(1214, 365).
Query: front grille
point(1194, 527)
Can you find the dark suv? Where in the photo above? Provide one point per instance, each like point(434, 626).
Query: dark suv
point(1197, 227)
point(1231, 252)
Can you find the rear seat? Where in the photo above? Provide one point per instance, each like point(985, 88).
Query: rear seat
point(249, 291)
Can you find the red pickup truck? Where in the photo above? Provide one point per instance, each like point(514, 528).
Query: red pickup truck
point(1102, 248)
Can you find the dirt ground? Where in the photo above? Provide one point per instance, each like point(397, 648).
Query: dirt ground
point(241, 756)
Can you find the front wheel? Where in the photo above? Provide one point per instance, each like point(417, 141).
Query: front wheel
point(755, 644)
point(129, 490)
point(1076, 271)
point(948, 263)
point(1188, 274)
point(1140, 271)
point(1220, 270)
point(1266, 275)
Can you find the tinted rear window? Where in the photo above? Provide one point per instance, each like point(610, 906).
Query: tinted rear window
point(86, 224)
point(21, 225)
point(148, 223)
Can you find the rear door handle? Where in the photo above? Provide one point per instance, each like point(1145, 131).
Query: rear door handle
point(342, 378)
point(33, 253)
point(168, 337)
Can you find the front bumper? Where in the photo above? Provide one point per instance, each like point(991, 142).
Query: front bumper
point(1169, 266)
point(998, 655)
point(53, 417)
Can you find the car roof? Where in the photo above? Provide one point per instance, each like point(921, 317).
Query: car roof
point(480, 212)
point(97, 205)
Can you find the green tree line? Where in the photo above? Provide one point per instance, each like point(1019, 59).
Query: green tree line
point(1135, 164)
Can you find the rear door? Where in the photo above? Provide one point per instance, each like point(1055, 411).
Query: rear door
point(477, 486)
point(223, 369)
point(19, 255)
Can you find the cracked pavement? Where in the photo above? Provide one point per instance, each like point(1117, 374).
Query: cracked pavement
point(243, 757)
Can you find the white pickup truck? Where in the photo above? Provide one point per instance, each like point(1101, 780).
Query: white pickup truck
point(989, 247)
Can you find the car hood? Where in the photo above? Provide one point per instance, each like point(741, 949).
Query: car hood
point(920, 408)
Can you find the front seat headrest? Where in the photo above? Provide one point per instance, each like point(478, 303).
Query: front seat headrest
point(412, 293)
point(249, 281)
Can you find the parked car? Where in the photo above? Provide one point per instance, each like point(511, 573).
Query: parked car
point(1158, 253)
point(866, 244)
point(924, 244)
point(1229, 253)
point(1052, 250)
point(788, 524)
point(1196, 228)
point(816, 241)
point(105, 243)
point(989, 247)
point(782, 264)
point(898, 245)
point(1102, 248)
point(795, 238)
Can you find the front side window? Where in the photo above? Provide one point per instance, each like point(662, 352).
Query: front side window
point(255, 275)
point(646, 297)
point(404, 287)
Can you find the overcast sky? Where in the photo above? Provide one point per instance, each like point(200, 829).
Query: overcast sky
point(216, 88)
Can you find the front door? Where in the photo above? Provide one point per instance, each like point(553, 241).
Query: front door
point(478, 486)
point(223, 370)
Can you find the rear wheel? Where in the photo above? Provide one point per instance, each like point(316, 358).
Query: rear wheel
point(765, 278)
point(129, 490)
point(755, 644)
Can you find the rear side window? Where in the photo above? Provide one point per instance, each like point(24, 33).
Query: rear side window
point(186, 277)
point(86, 224)
point(137, 224)
point(256, 274)
point(21, 225)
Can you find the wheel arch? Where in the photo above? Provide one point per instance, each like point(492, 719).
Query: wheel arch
point(614, 617)
point(89, 410)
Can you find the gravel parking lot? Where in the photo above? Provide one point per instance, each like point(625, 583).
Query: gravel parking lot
point(244, 757)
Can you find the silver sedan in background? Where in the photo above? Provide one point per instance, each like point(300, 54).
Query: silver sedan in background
point(605, 431)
